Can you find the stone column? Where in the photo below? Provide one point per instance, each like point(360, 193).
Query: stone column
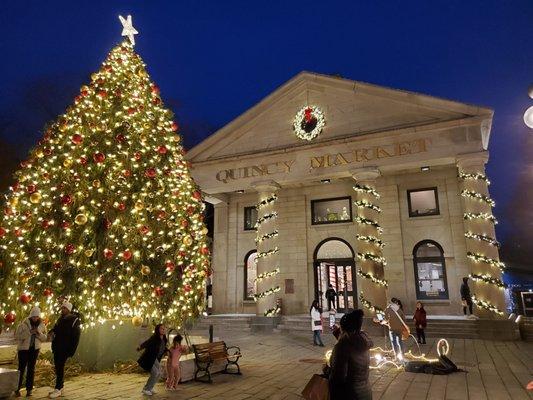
point(219, 262)
point(486, 269)
point(370, 261)
point(267, 249)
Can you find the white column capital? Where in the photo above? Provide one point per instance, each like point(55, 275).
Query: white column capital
point(263, 186)
point(472, 159)
point(365, 174)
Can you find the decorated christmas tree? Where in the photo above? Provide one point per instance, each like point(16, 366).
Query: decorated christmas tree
point(104, 211)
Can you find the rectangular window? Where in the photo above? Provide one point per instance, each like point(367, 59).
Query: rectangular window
point(331, 211)
point(431, 281)
point(423, 202)
point(250, 218)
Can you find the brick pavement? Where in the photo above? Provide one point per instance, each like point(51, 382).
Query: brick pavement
point(278, 366)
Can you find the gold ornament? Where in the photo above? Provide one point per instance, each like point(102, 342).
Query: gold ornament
point(137, 321)
point(139, 205)
point(81, 219)
point(142, 73)
point(96, 183)
point(94, 76)
point(13, 201)
point(39, 153)
point(177, 138)
point(187, 240)
point(35, 197)
point(205, 231)
point(67, 162)
point(89, 252)
point(145, 270)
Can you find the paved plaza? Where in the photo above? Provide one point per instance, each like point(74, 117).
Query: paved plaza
point(278, 366)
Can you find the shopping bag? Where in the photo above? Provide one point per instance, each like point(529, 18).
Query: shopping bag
point(316, 389)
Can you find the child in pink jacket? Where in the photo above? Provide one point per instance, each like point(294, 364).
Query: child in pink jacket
point(173, 362)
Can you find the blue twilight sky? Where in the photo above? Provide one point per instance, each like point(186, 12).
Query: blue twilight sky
point(215, 59)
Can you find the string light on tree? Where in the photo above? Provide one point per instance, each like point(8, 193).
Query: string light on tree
point(103, 205)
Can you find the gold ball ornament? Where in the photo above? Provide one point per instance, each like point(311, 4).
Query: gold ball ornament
point(81, 219)
point(139, 205)
point(187, 240)
point(205, 231)
point(13, 201)
point(137, 321)
point(89, 252)
point(35, 197)
point(177, 138)
point(94, 76)
point(145, 270)
point(96, 183)
point(39, 153)
point(142, 73)
point(67, 162)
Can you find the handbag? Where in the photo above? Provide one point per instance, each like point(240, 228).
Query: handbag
point(316, 389)
point(317, 323)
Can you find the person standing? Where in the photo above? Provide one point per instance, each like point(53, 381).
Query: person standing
point(350, 361)
point(331, 297)
point(420, 322)
point(316, 323)
point(466, 297)
point(29, 335)
point(173, 362)
point(395, 319)
point(154, 349)
point(65, 339)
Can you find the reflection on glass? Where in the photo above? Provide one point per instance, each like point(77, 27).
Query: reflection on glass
point(430, 279)
point(331, 211)
point(251, 274)
point(423, 202)
point(250, 218)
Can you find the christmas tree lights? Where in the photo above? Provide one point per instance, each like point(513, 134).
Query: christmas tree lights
point(104, 211)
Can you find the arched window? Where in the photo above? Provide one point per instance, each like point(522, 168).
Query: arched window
point(250, 273)
point(430, 271)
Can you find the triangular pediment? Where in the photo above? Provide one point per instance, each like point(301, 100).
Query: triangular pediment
point(351, 109)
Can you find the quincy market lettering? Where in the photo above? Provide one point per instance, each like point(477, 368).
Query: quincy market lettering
point(326, 161)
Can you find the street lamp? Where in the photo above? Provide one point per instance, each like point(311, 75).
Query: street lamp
point(528, 115)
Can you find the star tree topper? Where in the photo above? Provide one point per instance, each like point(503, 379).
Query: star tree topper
point(128, 30)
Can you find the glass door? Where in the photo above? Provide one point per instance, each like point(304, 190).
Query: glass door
point(339, 274)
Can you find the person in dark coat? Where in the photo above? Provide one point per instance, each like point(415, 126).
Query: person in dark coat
point(420, 322)
point(154, 349)
point(350, 361)
point(466, 297)
point(65, 339)
point(331, 296)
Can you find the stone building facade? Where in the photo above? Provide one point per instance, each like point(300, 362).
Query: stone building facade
point(405, 148)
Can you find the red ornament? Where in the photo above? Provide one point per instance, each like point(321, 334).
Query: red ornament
point(9, 318)
point(56, 265)
point(205, 251)
point(108, 68)
point(47, 292)
point(190, 210)
point(70, 248)
point(45, 224)
point(66, 199)
point(182, 254)
point(47, 151)
point(99, 157)
point(156, 101)
point(159, 291)
point(126, 255)
point(137, 156)
point(126, 173)
point(83, 161)
point(102, 93)
point(65, 224)
point(187, 288)
point(121, 206)
point(76, 138)
point(2, 232)
point(155, 89)
point(174, 126)
point(18, 232)
point(108, 254)
point(161, 214)
point(131, 110)
point(307, 115)
point(107, 223)
point(184, 223)
point(25, 298)
point(31, 189)
point(144, 229)
point(150, 173)
point(162, 150)
point(120, 138)
point(170, 266)
point(197, 195)
point(84, 93)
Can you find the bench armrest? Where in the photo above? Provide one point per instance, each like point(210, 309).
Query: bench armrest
point(233, 351)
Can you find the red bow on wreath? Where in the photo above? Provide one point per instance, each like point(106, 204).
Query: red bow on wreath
point(308, 115)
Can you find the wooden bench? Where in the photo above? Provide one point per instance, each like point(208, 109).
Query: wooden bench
point(208, 353)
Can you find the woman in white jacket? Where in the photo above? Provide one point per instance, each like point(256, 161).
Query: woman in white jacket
point(316, 323)
point(29, 335)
